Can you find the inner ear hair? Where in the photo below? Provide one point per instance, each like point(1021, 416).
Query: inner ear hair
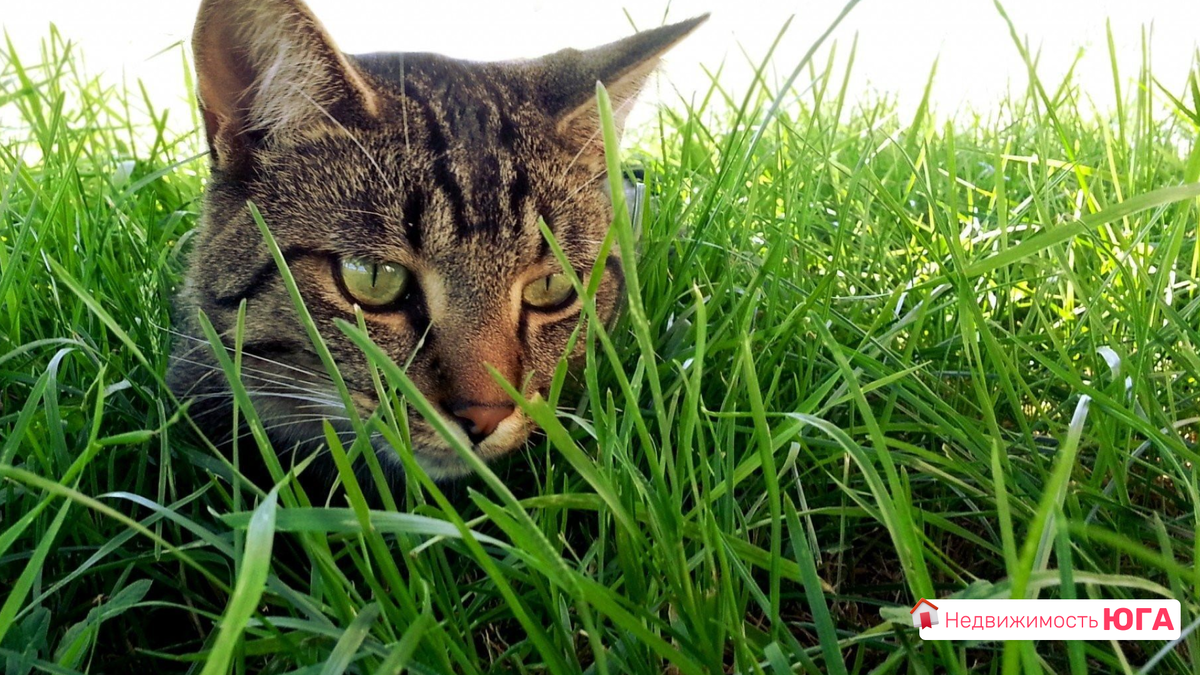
point(266, 70)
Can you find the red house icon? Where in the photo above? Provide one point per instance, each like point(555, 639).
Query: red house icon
point(924, 614)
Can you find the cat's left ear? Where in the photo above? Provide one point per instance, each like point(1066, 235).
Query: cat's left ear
point(267, 71)
point(566, 81)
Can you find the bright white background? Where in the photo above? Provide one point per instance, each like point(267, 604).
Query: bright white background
point(898, 39)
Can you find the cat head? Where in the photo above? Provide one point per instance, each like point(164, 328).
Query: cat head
point(410, 186)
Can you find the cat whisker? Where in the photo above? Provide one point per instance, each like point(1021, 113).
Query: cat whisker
point(598, 175)
point(257, 385)
point(199, 381)
point(330, 411)
point(289, 420)
point(570, 195)
point(370, 158)
point(310, 406)
point(296, 420)
point(326, 402)
point(291, 446)
point(248, 355)
point(365, 212)
point(627, 103)
point(253, 374)
point(332, 403)
point(203, 343)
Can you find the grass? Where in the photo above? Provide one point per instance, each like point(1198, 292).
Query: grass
point(865, 360)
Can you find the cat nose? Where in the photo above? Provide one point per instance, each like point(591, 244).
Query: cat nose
point(479, 421)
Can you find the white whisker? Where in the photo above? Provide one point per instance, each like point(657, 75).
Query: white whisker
point(331, 402)
point(352, 137)
point(252, 374)
point(202, 343)
point(627, 103)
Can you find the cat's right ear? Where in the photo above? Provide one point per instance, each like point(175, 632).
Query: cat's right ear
point(566, 83)
point(267, 72)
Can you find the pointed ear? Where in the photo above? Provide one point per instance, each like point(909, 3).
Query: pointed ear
point(566, 80)
point(266, 70)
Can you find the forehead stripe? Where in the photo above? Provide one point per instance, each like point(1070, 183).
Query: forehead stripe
point(518, 193)
point(414, 215)
point(485, 189)
point(443, 176)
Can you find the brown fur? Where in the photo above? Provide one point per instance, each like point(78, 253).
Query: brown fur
point(440, 165)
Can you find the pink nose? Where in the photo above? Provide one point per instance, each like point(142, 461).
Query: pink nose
point(481, 420)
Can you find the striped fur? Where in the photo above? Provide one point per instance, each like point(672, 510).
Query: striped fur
point(440, 165)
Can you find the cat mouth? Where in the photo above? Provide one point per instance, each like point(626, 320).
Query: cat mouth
point(441, 461)
point(435, 454)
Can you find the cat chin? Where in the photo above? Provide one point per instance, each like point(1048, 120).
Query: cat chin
point(433, 453)
point(440, 465)
point(441, 462)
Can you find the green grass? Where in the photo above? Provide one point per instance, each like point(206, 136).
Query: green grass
point(864, 360)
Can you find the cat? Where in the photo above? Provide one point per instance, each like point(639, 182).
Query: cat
point(410, 185)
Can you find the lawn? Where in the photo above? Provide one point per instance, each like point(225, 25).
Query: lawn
point(864, 359)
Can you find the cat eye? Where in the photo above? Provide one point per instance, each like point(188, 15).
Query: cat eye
point(549, 293)
point(372, 284)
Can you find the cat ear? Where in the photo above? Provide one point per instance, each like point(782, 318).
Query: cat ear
point(266, 70)
point(567, 80)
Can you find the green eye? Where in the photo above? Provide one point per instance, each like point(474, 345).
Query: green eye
point(551, 292)
point(371, 283)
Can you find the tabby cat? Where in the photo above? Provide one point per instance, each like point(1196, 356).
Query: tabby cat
point(411, 186)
